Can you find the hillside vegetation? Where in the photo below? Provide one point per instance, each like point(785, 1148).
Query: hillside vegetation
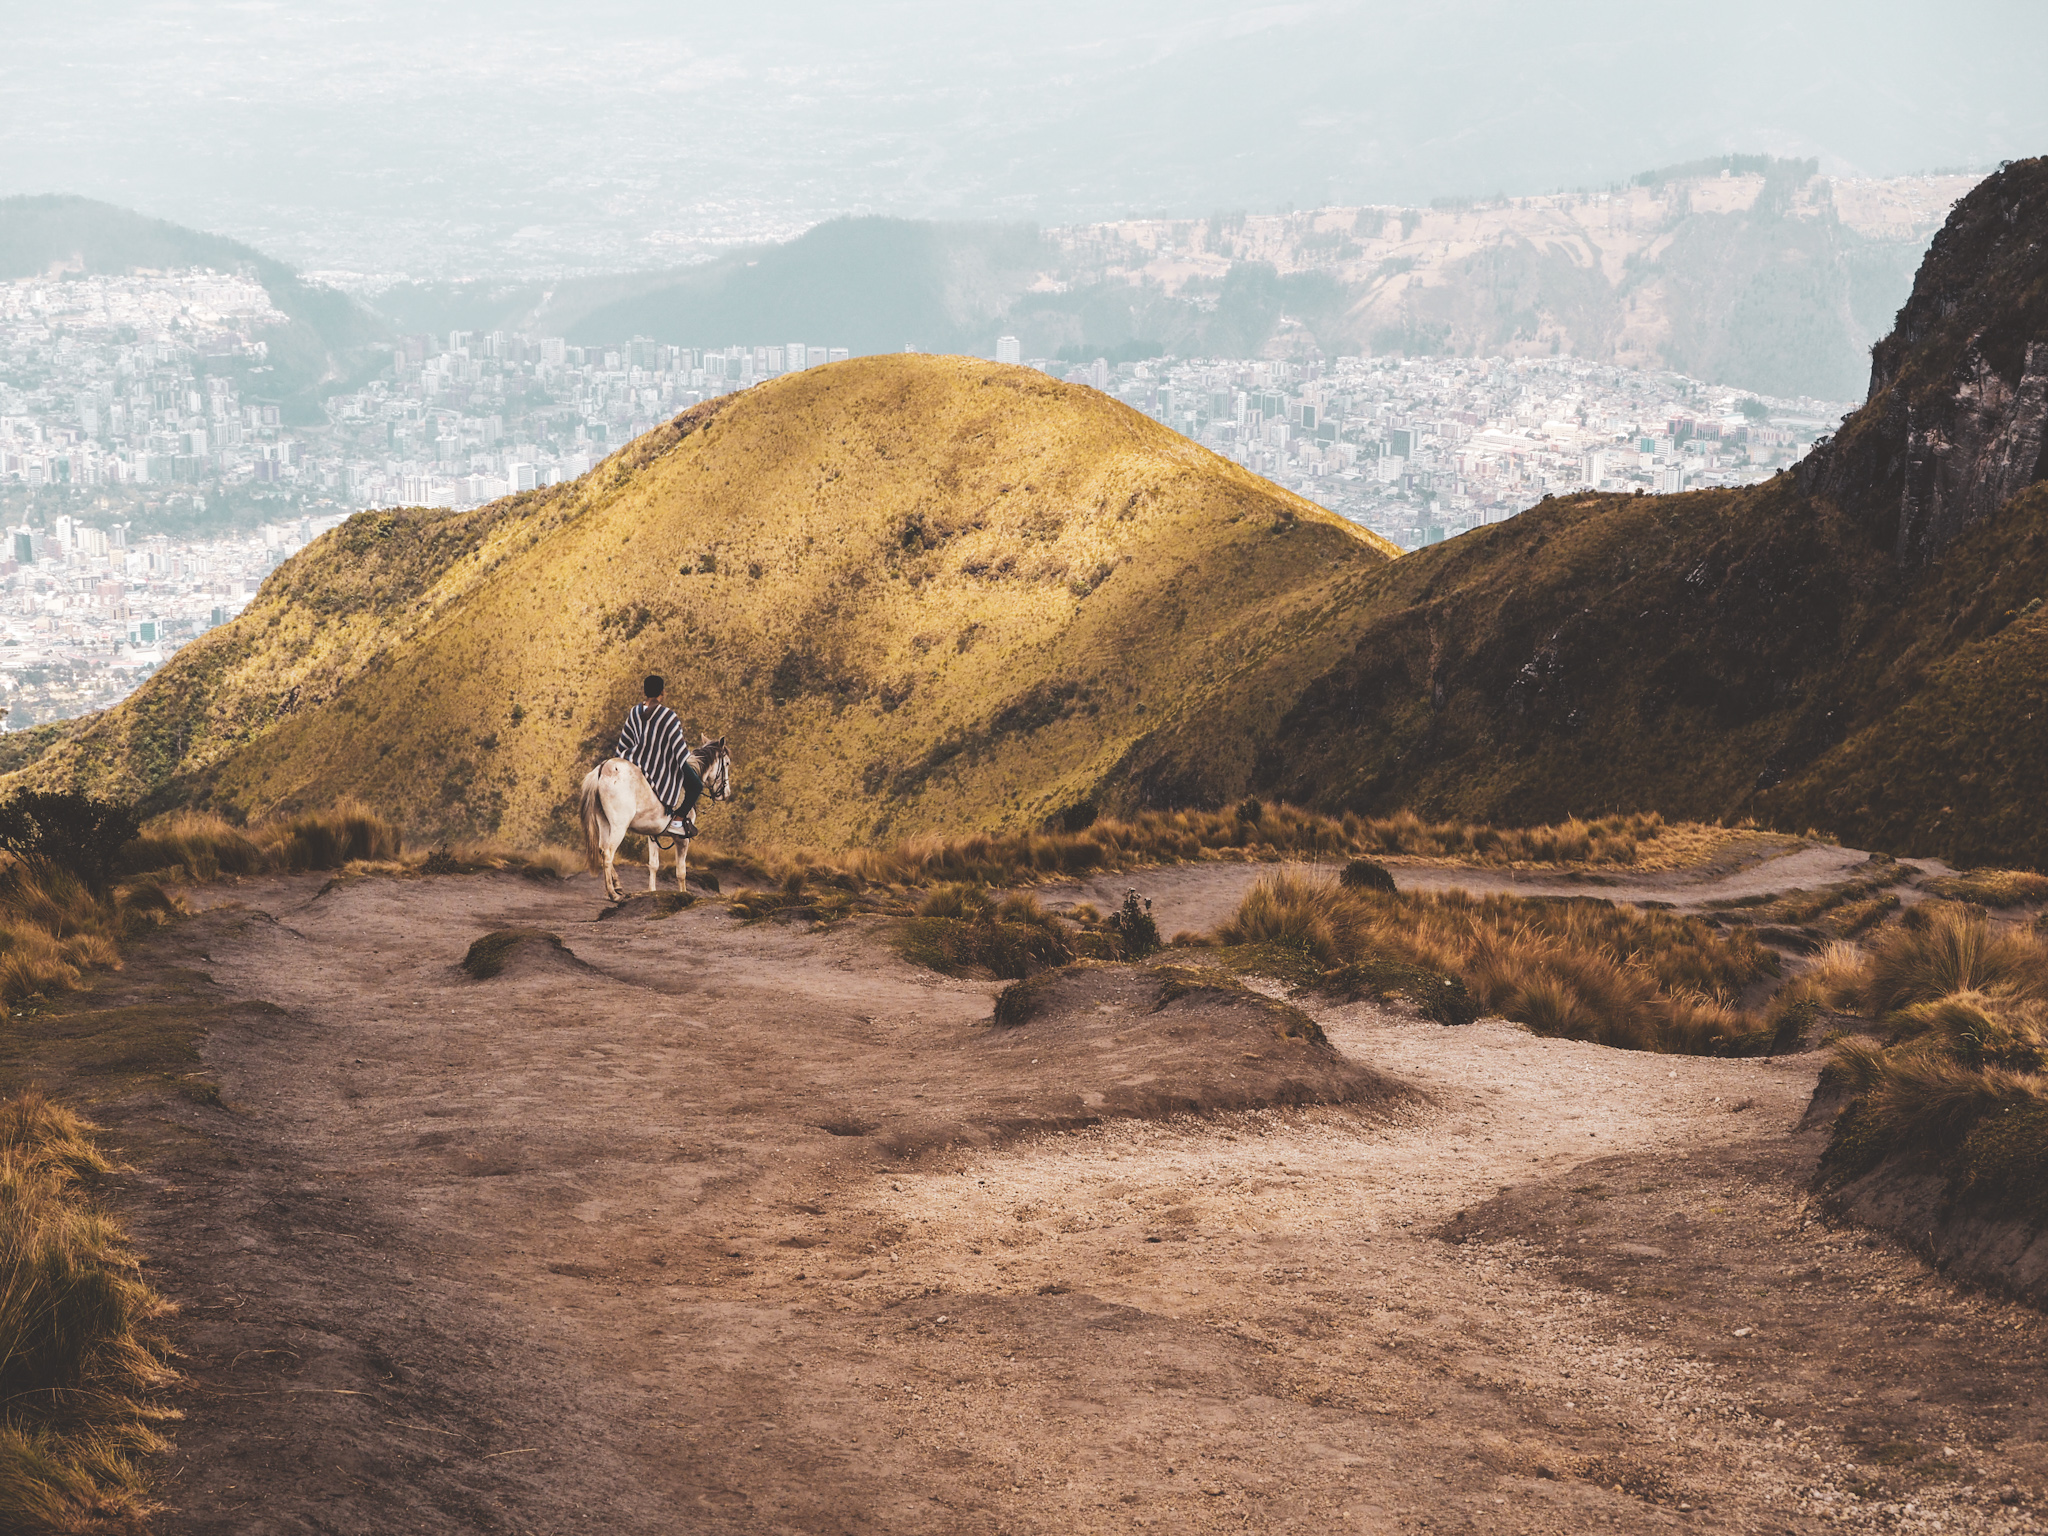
point(931, 595)
point(916, 593)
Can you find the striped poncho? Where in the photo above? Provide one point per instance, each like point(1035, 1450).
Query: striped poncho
point(652, 740)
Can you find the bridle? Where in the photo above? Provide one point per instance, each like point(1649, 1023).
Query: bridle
point(720, 790)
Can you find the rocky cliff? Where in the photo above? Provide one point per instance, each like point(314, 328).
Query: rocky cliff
point(1952, 429)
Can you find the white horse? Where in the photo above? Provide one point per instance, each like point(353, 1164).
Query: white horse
point(616, 800)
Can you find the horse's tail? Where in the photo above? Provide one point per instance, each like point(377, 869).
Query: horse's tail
point(596, 825)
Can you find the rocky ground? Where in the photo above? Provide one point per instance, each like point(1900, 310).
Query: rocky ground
point(688, 1224)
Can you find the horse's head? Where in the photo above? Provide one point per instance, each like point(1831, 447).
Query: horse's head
point(717, 769)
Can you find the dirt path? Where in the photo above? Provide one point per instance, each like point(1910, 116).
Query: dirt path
point(701, 1226)
point(1196, 897)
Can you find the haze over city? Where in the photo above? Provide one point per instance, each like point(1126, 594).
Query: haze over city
point(373, 138)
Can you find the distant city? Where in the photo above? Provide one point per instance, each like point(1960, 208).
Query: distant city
point(141, 396)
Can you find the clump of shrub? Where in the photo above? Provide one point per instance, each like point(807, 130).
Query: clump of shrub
point(1955, 1077)
point(79, 1354)
point(959, 929)
point(1137, 934)
point(1581, 969)
point(77, 833)
point(1365, 875)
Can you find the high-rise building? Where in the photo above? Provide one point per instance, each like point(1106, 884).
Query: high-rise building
point(1009, 350)
point(794, 357)
point(837, 355)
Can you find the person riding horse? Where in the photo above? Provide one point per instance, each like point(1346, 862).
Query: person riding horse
point(652, 739)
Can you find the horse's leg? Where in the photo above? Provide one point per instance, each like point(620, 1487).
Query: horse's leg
point(611, 871)
point(682, 864)
point(653, 864)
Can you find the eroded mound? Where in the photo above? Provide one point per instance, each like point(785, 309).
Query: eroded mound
point(649, 905)
point(518, 951)
point(1176, 1039)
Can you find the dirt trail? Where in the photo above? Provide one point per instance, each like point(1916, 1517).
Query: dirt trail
point(733, 1228)
point(1196, 897)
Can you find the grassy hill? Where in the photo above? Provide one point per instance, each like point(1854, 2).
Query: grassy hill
point(917, 592)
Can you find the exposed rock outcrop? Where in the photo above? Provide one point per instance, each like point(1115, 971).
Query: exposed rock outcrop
point(1953, 427)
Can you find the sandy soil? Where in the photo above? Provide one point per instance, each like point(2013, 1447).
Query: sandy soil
point(701, 1226)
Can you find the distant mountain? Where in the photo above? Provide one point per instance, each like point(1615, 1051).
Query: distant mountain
point(869, 284)
point(1746, 270)
point(919, 593)
point(325, 329)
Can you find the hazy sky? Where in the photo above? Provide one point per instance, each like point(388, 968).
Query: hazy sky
point(518, 136)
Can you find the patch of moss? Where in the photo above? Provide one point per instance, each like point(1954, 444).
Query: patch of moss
point(959, 947)
point(1178, 982)
point(1992, 887)
point(2003, 1162)
point(1857, 1144)
point(1442, 999)
point(1019, 1002)
point(1282, 962)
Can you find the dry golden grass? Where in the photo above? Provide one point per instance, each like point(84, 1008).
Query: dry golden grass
point(1993, 887)
point(201, 846)
point(1940, 948)
point(1585, 970)
point(79, 1356)
point(1251, 832)
point(1958, 1079)
point(917, 593)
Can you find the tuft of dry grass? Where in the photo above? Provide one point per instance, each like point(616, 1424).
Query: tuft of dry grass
point(54, 928)
point(1939, 948)
point(200, 846)
point(79, 1354)
point(1958, 1081)
point(1582, 969)
point(1277, 832)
